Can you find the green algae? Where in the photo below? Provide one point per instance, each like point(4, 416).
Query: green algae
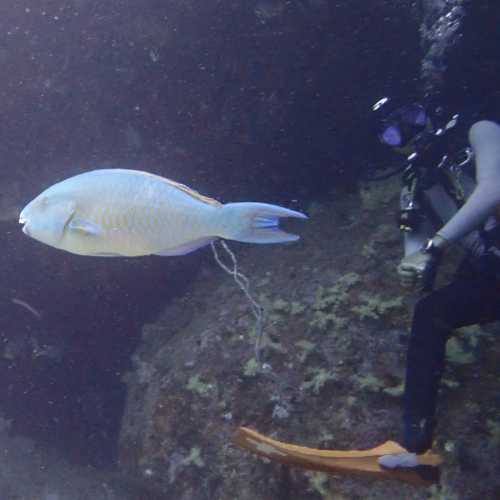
point(198, 386)
point(318, 377)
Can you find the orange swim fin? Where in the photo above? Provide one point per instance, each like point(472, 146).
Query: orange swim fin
point(348, 463)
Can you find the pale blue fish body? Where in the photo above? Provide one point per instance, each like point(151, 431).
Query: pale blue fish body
point(118, 212)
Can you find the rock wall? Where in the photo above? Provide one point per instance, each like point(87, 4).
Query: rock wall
point(337, 323)
point(237, 98)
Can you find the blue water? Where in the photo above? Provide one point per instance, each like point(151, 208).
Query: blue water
point(261, 100)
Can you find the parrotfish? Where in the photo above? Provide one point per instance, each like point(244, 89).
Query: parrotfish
point(128, 213)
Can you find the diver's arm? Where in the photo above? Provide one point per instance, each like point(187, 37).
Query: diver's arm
point(418, 266)
point(484, 137)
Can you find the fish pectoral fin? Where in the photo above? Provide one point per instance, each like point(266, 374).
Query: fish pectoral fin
point(185, 248)
point(62, 213)
point(84, 227)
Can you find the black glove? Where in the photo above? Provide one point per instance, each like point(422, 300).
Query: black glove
point(419, 269)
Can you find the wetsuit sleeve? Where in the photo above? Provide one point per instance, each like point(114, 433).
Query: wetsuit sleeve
point(484, 137)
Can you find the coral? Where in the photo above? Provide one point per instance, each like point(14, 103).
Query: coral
point(322, 321)
point(318, 482)
point(329, 300)
point(368, 251)
point(178, 462)
point(196, 385)
point(281, 306)
point(375, 307)
point(274, 311)
point(280, 412)
point(369, 382)
point(267, 342)
point(336, 294)
point(441, 493)
point(194, 458)
point(326, 436)
point(306, 347)
point(296, 308)
point(145, 371)
point(395, 391)
point(375, 195)
point(347, 280)
point(451, 384)
point(383, 234)
point(459, 351)
point(319, 378)
point(494, 430)
point(352, 401)
point(474, 332)
point(251, 368)
point(264, 281)
point(328, 297)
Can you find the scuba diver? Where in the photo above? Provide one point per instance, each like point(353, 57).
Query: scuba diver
point(449, 198)
point(446, 200)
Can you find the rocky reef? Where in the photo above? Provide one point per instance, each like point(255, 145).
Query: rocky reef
point(266, 100)
point(337, 324)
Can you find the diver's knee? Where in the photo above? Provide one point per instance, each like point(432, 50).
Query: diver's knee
point(430, 315)
point(425, 307)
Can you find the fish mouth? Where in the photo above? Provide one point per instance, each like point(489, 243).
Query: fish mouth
point(22, 216)
point(24, 222)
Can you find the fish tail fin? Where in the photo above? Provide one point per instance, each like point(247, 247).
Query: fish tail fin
point(255, 222)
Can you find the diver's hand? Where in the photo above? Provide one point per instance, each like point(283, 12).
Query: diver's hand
point(417, 270)
point(397, 460)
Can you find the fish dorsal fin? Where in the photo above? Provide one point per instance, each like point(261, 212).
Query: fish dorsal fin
point(84, 227)
point(182, 187)
point(193, 193)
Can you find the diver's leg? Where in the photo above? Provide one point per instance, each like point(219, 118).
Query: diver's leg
point(460, 303)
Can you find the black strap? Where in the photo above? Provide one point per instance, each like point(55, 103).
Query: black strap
point(492, 237)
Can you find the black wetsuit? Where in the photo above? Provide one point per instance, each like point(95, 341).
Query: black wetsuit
point(454, 76)
point(463, 211)
point(472, 297)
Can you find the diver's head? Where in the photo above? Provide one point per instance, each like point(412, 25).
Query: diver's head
point(401, 127)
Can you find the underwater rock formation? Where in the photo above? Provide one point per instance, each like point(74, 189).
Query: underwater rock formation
point(332, 377)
